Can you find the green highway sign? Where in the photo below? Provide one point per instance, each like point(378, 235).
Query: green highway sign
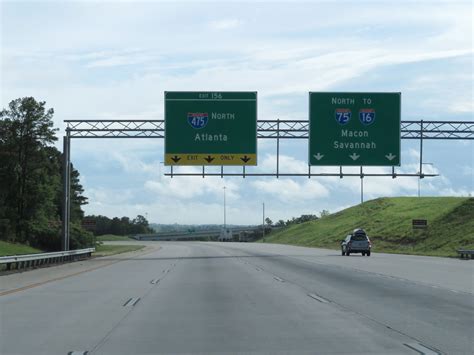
point(354, 128)
point(210, 128)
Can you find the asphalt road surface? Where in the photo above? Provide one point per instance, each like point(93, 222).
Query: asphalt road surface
point(231, 298)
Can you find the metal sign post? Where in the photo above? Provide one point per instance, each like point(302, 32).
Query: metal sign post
point(66, 205)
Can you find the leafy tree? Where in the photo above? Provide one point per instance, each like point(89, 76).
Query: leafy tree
point(302, 219)
point(268, 221)
point(324, 213)
point(26, 128)
point(280, 223)
point(77, 199)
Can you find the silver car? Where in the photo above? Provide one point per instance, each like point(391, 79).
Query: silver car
point(357, 242)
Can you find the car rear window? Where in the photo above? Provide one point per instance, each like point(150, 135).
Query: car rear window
point(359, 237)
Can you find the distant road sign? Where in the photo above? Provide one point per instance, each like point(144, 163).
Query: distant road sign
point(419, 223)
point(89, 224)
point(354, 128)
point(210, 128)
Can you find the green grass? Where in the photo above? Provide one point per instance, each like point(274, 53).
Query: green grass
point(106, 250)
point(388, 224)
point(16, 249)
point(111, 237)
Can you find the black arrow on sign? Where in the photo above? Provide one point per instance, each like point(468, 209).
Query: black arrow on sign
point(245, 159)
point(209, 159)
point(176, 159)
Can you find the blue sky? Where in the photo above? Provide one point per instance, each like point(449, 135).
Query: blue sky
point(114, 59)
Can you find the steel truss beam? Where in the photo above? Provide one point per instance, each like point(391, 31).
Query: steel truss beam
point(266, 129)
point(285, 129)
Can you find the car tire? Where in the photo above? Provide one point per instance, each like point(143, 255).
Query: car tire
point(363, 254)
point(368, 253)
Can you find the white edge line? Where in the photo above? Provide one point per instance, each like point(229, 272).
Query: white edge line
point(318, 298)
point(422, 349)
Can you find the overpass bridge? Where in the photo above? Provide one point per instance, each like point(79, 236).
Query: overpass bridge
point(211, 234)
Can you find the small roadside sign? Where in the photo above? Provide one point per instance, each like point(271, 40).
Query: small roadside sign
point(89, 224)
point(419, 223)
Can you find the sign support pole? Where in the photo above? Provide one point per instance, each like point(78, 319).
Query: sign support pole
point(361, 186)
point(69, 168)
point(225, 222)
point(278, 149)
point(421, 158)
point(66, 193)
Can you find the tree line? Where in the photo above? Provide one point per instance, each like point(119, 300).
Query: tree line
point(119, 226)
point(31, 184)
point(297, 220)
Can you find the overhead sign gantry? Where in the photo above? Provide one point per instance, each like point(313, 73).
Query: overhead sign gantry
point(210, 128)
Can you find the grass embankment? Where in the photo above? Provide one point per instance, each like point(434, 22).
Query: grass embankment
point(111, 238)
point(388, 222)
point(16, 249)
point(106, 250)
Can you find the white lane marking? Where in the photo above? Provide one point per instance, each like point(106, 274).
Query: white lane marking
point(131, 301)
point(126, 303)
point(136, 301)
point(318, 298)
point(166, 271)
point(422, 349)
point(154, 281)
point(278, 279)
point(78, 353)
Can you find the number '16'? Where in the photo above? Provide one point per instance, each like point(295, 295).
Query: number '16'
point(367, 117)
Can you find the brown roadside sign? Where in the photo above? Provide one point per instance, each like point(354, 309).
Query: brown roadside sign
point(419, 223)
point(88, 224)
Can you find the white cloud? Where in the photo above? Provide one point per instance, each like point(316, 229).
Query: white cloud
point(413, 154)
point(225, 24)
point(289, 190)
point(468, 170)
point(131, 163)
point(120, 60)
point(287, 164)
point(189, 187)
point(466, 106)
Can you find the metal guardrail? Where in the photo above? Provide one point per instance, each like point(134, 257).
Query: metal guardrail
point(466, 253)
point(32, 260)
